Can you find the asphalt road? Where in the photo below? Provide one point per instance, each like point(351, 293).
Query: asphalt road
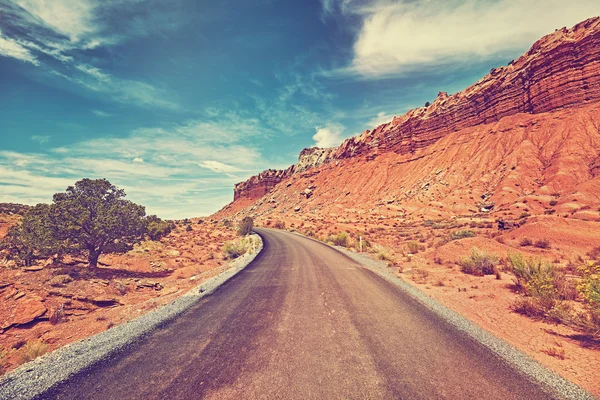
point(303, 321)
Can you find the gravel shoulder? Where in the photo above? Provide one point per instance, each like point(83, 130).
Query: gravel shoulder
point(36, 377)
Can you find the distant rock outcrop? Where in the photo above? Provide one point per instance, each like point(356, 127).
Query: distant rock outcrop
point(561, 70)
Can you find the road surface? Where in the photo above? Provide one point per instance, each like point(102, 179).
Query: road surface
point(303, 321)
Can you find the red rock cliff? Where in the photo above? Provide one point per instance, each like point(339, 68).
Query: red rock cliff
point(560, 70)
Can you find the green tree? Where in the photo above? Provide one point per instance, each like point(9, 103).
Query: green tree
point(34, 237)
point(93, 215)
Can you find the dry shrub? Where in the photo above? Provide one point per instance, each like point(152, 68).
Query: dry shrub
point(382, 252)
point(341, 239)
point(594, 254)
point(556, 352)
point(279, 224)
point(56, 316)
point(414, 247)
point(236, 248)
point(542, 244)
point(457, 235)
point(32, 350)
point(480, 263)
point(420, 275)
point(525, 242)
point(245, 227)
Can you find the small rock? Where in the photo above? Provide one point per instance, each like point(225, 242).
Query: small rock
point(34, 268)
point(297, 208)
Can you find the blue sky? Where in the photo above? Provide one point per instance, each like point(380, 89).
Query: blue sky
point(175, 101)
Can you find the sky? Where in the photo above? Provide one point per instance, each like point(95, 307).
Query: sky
point(176, 101)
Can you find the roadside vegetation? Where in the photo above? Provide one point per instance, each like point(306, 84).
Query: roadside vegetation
point(245, 227)
point(480, 263)
point(90, 218)
point(238, 247)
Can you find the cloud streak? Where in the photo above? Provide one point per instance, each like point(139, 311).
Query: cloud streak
point(396, 37)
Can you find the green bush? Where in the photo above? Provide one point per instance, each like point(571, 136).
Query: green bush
point(480, 263)
point(157, 228)
point(245, 227)
point(457, 235)
point(537, 279)
point(341, 239)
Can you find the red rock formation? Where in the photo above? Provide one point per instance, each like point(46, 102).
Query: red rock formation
point(561, 70)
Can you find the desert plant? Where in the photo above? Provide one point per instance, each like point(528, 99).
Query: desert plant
point(542, 243)
point(382, 252)
point(413, 247)
point(525, 242)
point(479, 263)
point(553, 203)
point(279, 224)
point(420, 275)
point(245, 227)
point(32, 350)
point(157, 228)
point(341, 239)
point(457, 235)
point(594, 254)
point(236, 248)
point(537, 279)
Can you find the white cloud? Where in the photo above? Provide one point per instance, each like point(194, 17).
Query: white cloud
point(400, 36)
point(10, 48)
point(381, 118)
point(72, 18)
point(218, 167)
point(329, 136)
point(138, 160)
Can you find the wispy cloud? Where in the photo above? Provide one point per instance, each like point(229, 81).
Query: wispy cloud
point(102, 114)
point(41, 139)
point(11, 48)
point(63, 30)
point(401, 36)
point(380, 118)
point(158, 166)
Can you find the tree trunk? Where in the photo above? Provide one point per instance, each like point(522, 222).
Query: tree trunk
point(93, 257)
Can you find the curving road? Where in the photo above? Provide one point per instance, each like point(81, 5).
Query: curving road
point(303, 321)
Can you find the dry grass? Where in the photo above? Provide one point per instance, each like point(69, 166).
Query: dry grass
point(480, 263)
point(556, 352)
point(32, 350)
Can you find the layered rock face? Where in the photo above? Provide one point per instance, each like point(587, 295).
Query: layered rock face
point(259, 185)
point(561, 70)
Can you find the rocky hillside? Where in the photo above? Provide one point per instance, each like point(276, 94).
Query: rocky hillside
point(560, 71)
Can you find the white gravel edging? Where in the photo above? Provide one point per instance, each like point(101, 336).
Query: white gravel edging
point(552, 383)
point(38, 376)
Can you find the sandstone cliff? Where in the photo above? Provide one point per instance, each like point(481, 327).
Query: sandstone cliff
point(561, 70)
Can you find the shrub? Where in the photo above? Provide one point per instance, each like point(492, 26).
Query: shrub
point(537, 280)
point(245, 227)
point(594, 254)
point(279, 224)
point(236, 248)
point(341, 239)
point(542, 244)
point(157, 228)
point(382, 252)
point(553, 203)
point(457, 235)
point(33, 350)
point(479, 263)
point(525, 242)
point(413, 247)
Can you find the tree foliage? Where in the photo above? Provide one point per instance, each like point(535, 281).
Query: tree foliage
point(91, 217)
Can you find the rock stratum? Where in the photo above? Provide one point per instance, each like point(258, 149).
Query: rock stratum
point(561, 70)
